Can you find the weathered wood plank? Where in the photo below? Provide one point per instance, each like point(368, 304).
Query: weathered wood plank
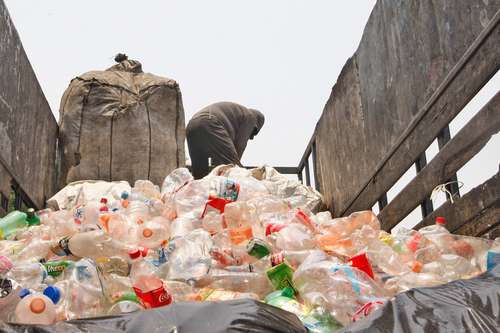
point(483, 223)
point(465, 145)
point(479, 63)
point(493, 233)
point(469, 207)
point(28, 130)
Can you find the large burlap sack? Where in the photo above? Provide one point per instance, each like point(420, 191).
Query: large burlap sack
point(121, 124)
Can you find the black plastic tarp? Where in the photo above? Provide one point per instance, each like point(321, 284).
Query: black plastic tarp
point(459, 306)
point(207, 317)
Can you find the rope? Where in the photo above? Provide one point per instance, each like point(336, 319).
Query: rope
point(443, 188)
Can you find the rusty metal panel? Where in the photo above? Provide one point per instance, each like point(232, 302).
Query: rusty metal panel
point(406, 51)
point(28, 130)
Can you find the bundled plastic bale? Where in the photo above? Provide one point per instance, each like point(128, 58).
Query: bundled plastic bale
point(121, 124)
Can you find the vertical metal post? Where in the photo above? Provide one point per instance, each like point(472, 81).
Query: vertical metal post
point(308, 175)
point(426, 205)
point(299, 175)
point(315, 167)
point(382, 202)
point(443, 138)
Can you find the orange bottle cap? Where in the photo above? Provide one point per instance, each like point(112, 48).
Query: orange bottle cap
point(37, 305)
point(147, 232)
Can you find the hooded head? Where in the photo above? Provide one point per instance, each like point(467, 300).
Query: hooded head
point(259, 122)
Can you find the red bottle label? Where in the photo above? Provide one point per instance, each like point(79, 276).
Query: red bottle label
point(154, 298)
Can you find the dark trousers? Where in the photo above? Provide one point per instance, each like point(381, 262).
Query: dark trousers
point(207, 138)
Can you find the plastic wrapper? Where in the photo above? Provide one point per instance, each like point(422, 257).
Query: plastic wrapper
point(459, 306)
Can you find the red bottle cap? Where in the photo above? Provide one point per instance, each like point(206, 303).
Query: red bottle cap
point(272, 228)
point(104, 200)
point(440, 220)
point(134, 254)
point(103, 209)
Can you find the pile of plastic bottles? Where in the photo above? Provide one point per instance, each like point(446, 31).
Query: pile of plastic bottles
point(224, 237)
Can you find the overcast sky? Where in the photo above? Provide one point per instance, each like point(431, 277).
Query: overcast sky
point(281, 57)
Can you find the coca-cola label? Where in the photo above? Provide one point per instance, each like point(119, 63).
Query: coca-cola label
point(154, 298)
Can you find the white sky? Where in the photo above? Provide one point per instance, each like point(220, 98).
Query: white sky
point(281, 57)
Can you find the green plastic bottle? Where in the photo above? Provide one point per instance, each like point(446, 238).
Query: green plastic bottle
point(12, 222)
point(316, 320)
point(32, 218)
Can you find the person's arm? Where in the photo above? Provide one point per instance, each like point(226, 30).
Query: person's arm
point(243, 134)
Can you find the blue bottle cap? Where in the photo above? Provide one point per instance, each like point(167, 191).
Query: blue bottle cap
point(124, 195)
point(53, 293)
point(24, 292)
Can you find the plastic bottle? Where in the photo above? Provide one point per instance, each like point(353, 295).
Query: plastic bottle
point(29, 275)
point(91, 244)
point(190, 258)
point(294, 237)
point(12, 222)
point(137, 210)
point(5, 265)
point(153, 233)
point(85, 293)
point(32, 218)
point(125, 306)
point(238, 218)
point(438, 228)
point(212, 222)
point(339, 288)
point(139, 266)
point(439, 235)
point(35, 308)
point(34, 250)
point(91, 214)
point(237, 281)
point(113, 265)
point(175, 180)
point(9, 298)
point(119, 228)
point(293, 258)
point(151, 291)
point(316, 321)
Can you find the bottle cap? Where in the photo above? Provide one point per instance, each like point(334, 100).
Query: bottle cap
point(24, 292)
point(37, 305)
point(124, 195)
point(271, 228)
point(104, 200)
point(144, 251)
point(53, 293)
point(30, 212)
point(134, 254)
point(440, 220)
point(103, 209)
point(146, 232)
